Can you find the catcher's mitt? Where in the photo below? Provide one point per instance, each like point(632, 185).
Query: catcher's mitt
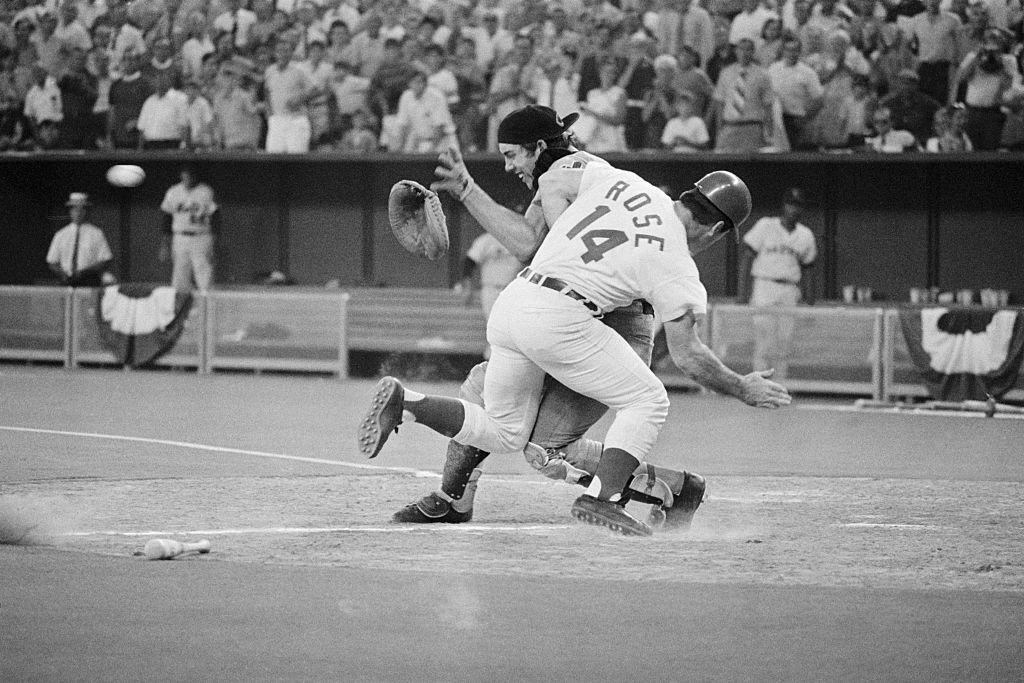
point(417, 219)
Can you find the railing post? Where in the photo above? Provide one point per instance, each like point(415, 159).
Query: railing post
point(343, 337)
point(206, 339)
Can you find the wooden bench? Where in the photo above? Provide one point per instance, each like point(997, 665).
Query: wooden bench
point(412, 319)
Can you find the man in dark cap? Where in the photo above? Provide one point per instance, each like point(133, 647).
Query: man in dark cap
point(777, 252)
point(533, 140)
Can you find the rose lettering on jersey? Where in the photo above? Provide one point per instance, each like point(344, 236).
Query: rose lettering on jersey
point(649, 239)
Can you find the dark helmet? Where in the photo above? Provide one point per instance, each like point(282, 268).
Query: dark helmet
point(727, 193)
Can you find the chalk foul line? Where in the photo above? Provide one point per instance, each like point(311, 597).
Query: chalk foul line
point(398, 528)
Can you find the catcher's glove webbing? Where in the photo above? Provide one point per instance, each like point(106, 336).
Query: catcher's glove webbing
point(417, 219)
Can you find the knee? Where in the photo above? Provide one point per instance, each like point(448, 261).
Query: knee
point(472, 389)
point(657, 405)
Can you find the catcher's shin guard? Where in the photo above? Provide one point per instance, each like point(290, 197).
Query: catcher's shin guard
point(678, 516)
point(460, 463)
point(437, 508)
point(383, 417)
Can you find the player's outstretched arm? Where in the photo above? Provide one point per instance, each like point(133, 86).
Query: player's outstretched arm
point(520, 234)
point(698, 361)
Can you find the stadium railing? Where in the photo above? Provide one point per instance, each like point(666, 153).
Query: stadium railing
point(833, 349)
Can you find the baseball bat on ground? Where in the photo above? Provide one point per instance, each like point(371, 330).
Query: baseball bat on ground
point(167, 549)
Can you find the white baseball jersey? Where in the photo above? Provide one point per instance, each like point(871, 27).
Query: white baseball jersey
point(92, 248)
point(780, 253)
point(620, 240)
point(191, 209)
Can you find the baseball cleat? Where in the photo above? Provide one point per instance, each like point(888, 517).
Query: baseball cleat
point(608, 514)
point(680, 515)
point(434, 508)
point(431, 509)
point(383, 417)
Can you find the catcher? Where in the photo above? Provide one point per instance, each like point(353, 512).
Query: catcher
point(530, 140)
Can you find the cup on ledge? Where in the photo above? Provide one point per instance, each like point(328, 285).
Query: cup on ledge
point(1003, 297)
point(965, 297)
point(864, 295)
point(917, 295)
point(849, 293)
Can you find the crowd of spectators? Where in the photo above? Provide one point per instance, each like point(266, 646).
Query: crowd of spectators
point(415, 76)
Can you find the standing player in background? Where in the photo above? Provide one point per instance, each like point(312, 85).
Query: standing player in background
point(778, 250)
point(531, 139)
point(497, 267)
point(614, 238)
point(188, 232)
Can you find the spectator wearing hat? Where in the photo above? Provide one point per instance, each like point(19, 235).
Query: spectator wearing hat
point(288, 86)
point(936, 36)
point(987, 79)
point(911, 109)
point(79, 254)
point(743, 102)
point(778, 251)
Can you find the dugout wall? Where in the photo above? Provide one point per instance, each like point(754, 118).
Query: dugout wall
point(889, 222)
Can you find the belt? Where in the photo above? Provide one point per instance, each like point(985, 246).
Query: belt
point(560, 287)
point(778, 280)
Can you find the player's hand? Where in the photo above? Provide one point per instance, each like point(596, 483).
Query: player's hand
point(761, 392)
point(452, 175)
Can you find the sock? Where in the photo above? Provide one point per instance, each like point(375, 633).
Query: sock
point(442, 414)
point(613, 474)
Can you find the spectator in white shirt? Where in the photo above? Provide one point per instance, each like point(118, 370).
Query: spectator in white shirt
point(749, 22)
point(288, 86)
point(79, 254)
point(43, 101)
point(798, 88)
point(888, 140)
point(439, 76)
point(423, 122)
point(163, 121)
point(238, 21)
point(686, 131)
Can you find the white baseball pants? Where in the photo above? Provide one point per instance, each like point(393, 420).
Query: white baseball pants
point(535, 331)
point(192, 258)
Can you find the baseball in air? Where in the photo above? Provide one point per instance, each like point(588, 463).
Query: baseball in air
point(125, 175)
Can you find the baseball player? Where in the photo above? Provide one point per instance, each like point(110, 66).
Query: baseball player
point(778, 249)
point(188, 232)
point(614, 238)
point(531, 138)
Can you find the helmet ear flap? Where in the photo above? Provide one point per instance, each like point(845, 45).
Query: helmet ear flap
point(548, 156)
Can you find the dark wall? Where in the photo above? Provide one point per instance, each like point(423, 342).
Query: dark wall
point(888, 222)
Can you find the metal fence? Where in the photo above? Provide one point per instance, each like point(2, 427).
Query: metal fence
point(822, 349)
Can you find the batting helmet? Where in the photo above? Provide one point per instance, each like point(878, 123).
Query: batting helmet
point(727, 193)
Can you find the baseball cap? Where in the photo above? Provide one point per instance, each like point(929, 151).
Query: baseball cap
point(77, 199)
point(532, 123)
point(794, 196)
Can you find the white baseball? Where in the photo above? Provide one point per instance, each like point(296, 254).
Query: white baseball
point(125, 175)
